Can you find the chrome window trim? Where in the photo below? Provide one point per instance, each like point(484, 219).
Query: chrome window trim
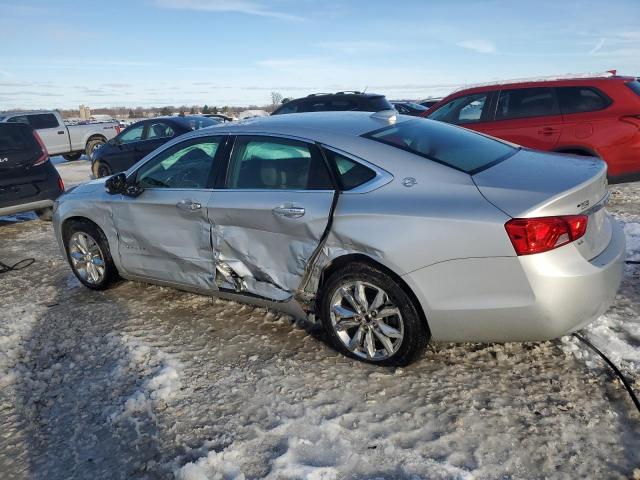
point(381, 179)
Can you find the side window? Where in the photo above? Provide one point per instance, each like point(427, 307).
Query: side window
point(19, 119)
point(159, 130)
point(291, 107)
point(526, 102)
point(338, 105)
point(351, 174)
point(315, 106)
point(466, 109)
point(185, 165)
point(43, 120)
point(581, 99)
point(132, 134)
point(276, 163)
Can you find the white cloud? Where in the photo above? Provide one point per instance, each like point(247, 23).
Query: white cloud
point(249, 7)
point(598, 46)
point(481, 46)
point(355, 47)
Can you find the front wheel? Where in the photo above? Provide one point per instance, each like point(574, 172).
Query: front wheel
point(367, 315)
point(103, 170)
point(89, 255)
point(93, 145)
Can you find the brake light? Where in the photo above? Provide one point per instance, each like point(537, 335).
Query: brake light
point(537, 235)
point(118, 129)
point(44, 156)
point(60, 184)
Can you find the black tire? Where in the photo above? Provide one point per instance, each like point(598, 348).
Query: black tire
point(104, 170)
point(45, 214)
point(416, 332)
point(94, 143)
point(71, 157)
point(111, 272)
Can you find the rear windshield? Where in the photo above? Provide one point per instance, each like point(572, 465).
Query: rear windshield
point(455, 147)
point(377, 104)
point(635, 86)
point(16, 137)
point(196, 123)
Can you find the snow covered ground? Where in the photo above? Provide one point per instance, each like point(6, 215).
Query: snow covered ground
point(147, 382)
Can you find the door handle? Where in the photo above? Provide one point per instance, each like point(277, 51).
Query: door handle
point(60, 132)
point(189, 206)
point(289, 211)
point(547, 131)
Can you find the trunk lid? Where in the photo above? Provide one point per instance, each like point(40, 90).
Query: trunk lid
point(538, 184)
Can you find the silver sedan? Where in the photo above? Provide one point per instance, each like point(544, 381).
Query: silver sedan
point(387, 230)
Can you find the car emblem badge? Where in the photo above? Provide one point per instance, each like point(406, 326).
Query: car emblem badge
point(583, 205)
point(409, 181)
point(2, 160)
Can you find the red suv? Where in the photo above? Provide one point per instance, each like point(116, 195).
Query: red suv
point(597, 116)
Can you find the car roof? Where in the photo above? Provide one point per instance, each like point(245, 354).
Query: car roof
point(338, 94)
point(350, 123)
point(569, 79)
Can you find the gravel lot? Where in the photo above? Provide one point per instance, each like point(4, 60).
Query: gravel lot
point(148, 382)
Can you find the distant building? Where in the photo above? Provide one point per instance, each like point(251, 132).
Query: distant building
point(85, 112)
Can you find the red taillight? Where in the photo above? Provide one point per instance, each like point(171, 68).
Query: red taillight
point(537, 235)
point(44, 156)
point(60, 184)
point(118, 129)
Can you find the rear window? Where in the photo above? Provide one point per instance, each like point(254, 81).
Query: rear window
point(581, 99)
point(17, 137)
point(44, 120)
point(635, 86)
point(455, 147)
point(377, 104)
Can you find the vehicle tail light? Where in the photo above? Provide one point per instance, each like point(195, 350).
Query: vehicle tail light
point(44, 156)
point(118, 129)
point(537, 235)
point(61, 184)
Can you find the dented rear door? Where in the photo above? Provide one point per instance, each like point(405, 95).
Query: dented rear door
point(271, 215)
point(165, 233)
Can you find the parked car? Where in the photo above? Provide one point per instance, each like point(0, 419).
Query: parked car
point(140, 139)
point(597, 116)
point(410, 108)
point(390, 230)
point(222, 118)
point(430, 102)
point(333, 102)
point(70, 141)
point(28, 180)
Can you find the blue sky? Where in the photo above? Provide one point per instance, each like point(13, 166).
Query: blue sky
point(224, 52)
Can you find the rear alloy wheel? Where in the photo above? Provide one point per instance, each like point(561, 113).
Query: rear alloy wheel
point(103, 170)
point(70, 157)
point(368, 316)
point(93, 145)
point(89, 256)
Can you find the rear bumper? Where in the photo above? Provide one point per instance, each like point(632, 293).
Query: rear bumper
point(30, 192)
point(528, 298)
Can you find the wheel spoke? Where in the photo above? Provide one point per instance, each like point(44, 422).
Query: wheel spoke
point(388, 330)
point(82, 240)
point(77, 256)
point(388, 345)
point(97, 261)
point(388, 312)
point(356, 341)
point(380, 300)
point(343, 325)
point(361, 297)
point(93, 273)
point(368, 340)
point(343, 312)
point(349, 298)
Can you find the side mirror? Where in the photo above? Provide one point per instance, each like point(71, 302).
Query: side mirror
point(118, 185)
